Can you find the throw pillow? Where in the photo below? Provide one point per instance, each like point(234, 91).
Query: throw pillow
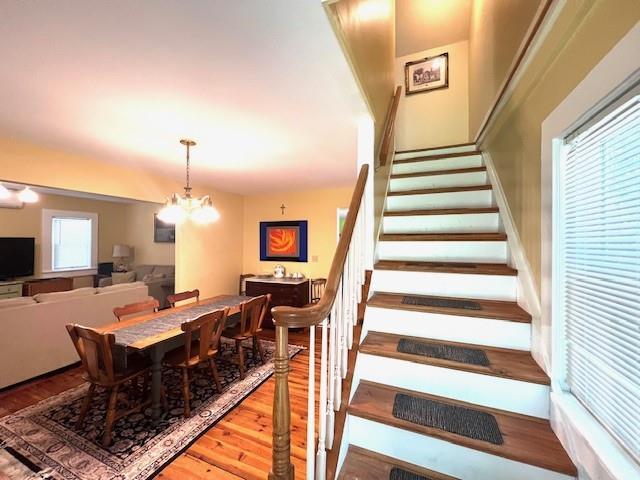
point(123, 277)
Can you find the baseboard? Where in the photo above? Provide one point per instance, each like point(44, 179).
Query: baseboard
point(528, 295)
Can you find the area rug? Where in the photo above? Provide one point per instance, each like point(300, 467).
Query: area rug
point(42, 442)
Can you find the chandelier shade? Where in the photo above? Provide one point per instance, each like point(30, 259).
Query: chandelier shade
point(178, 208)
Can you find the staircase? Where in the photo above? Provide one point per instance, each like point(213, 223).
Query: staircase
point(444, 385)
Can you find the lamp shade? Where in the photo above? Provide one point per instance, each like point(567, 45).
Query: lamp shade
point(121, 251)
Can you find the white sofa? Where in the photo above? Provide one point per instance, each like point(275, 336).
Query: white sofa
point(33, 337)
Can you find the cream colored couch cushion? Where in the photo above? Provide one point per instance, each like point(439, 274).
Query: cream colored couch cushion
point(16, 302)
point(120, 286)
point(123, 277)
point(56, 296)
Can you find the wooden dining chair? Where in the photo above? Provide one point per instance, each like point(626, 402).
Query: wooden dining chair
point(95, 350)
point(201, 344)
point(242, 287)
point(317, 289)
point(148, 306)
point(179, 297)
point(252, 314)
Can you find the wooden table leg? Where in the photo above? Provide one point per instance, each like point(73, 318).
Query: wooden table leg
point(156, 381)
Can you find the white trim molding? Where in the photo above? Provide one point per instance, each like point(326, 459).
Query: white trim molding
point(591, 447)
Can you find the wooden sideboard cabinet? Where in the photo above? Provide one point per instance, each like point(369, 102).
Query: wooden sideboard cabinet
point(285, 291)
point(46, 285)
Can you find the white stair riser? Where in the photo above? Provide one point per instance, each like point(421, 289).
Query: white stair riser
point(438, 151)
point(441, 164)
point(490, 287)
point(453, 223)
point(470, 199)
point(480, 331)
point(495, 392)
point(483, 252)
point(441, 456)
point(438, 181)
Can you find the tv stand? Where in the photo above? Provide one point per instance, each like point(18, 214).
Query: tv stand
point(47, 285)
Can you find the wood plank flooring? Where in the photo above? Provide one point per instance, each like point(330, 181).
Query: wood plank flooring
point(526, 439)
point(238, 446)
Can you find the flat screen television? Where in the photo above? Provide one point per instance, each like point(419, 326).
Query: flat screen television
point(16, 257)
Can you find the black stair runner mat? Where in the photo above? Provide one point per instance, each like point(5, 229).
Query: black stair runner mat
point(441, 302)
point(450, 418)
point(471, 356)
point(400, 474)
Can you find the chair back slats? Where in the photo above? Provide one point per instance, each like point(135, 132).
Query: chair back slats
point(95, 350)
point(208, 328)
point(317, 289)
point(150, 305)
point(178, 297)
point(252, 313)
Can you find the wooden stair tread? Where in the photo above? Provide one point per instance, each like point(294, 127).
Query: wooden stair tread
point(439, 156)
point(527, 439)
point(497, 309)
point(453, 171)
point(444, 237)
point(503, 362)
point(362, 464)
point(442, 211)
point(447, 267)
point(428, 191)
point(436, 148)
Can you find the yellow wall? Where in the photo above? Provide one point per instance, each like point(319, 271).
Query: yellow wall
point(439, 117)
point(496, 30)
point(213, 257)
point(27, 222)
point(318, 207)
point(584, 32)
point(366, 30)
point(139, 233)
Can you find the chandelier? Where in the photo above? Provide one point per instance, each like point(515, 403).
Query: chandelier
point(180, 207)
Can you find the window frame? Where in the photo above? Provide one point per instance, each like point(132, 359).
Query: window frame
point(47, 241)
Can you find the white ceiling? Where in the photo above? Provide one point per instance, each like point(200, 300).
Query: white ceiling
point(260, 84)
point(426, 24)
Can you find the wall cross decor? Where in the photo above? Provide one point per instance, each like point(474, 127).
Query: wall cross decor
point(282, 207)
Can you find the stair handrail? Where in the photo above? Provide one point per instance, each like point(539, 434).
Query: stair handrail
point(345, 277)
point(389, 128)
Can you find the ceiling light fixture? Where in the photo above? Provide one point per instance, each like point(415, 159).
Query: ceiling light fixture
point(179, 207)
point(28, 196)
point(4, 192)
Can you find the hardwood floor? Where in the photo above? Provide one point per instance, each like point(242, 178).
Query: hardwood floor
point(238, 446)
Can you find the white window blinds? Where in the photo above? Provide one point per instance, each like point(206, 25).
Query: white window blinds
point(71, 243)
point(599, 267)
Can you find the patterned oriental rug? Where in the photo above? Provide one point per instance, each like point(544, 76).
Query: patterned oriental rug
point(41, 441)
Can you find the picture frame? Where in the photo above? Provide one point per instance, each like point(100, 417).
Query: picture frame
point(427, 74)
point(284, 241)
point(163, 232)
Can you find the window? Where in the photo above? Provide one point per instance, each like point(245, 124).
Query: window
point(69, 240)
point(598, 267)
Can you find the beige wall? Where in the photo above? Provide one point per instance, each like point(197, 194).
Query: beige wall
point(139, 233)
point(584, 32)
point(439, 117)
point(27, 222)
point(318, 207)
point(212, 257)
point(366, 30)
point(497, 29)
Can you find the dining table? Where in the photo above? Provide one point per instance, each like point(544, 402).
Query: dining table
point(156, 333)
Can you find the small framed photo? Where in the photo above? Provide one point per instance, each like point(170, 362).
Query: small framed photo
point(163, 232)
point(427, 74)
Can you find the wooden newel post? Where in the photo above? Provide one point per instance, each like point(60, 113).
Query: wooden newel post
point(281, 468)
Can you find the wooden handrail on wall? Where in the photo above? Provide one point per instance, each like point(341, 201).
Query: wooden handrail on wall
point(389, 128)
point(288, 317)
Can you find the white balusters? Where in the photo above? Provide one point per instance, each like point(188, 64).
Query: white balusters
point(331, 376)
point(321, 456)
point(311, 400)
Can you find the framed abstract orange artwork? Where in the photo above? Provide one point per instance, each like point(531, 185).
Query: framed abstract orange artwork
point(283, 241)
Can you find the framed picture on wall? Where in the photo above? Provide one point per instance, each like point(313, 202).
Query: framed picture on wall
point(163, 232)
point(431, 73)
point(283, 241)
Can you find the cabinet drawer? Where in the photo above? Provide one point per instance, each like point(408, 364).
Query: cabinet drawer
point(14, 289)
